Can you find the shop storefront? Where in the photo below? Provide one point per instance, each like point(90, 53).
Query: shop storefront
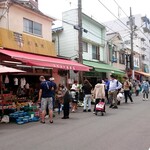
point(100, 70)
point(139, 75)
point(19, 90)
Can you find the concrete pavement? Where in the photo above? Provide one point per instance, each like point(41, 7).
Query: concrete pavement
point(127, 128)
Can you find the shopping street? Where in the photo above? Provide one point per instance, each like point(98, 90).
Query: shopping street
point(126, 128)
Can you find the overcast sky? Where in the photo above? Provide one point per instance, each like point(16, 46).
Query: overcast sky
point(95, 9)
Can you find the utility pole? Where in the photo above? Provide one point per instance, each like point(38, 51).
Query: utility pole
point(80, 51)
point(131, 34)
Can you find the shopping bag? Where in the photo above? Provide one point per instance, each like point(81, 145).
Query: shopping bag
point(100, 106)
point(5, 119)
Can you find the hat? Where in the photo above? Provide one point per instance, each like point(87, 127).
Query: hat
point(52, 79)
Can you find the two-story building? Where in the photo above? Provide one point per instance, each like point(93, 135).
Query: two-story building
point(93, 44)
point(26, 41)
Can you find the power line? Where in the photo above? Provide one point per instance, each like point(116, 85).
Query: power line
point(99, 21)
point(120, 20)
point(74, 25)
point(114, 15)
point(126, 35)
point(120, 8)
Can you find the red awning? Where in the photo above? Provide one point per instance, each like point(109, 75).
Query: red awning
point(143, 73)
point(45, 61)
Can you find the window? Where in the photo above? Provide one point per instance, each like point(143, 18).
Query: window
point(110, 53)
point(127, 42)
point(121, 58)
point(32, 27)
point(114, 56)
point(85, 46)
point(95, 52)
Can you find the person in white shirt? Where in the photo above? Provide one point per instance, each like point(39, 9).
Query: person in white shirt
point(114, 86)
point(75, 86)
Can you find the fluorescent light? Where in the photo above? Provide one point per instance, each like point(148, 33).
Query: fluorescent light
point(36, 67)
point(39, 67)
point(24, 66)
point(11, 62)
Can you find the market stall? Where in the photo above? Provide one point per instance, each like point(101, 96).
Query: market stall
point(6, 98)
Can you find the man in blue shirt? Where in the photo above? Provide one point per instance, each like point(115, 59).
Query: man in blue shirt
point(45, 97)
point(114, 86)
point(106, 89)
point(54, 88)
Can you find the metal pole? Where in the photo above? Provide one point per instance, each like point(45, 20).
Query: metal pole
point(132, 32)
point(80, 38)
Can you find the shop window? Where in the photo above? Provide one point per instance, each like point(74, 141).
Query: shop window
point(114, 55)
point(121, 58)
point(32, 27)
point(85, 46)
point(110, 53)
point(95, 52)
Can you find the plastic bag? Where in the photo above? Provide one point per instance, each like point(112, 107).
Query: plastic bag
point(119, 96)
point(5, 119)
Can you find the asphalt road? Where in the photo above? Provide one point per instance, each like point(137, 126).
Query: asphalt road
point(127, 128)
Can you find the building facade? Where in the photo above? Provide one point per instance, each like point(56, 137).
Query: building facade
point(141, 43)
point(93, 43)
point(26, 38)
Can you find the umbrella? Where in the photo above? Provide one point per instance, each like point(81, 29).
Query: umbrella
point(4, 70)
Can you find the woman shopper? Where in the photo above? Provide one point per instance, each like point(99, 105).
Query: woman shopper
point(87, 87)
point(145, 90)
point(126, 87)
point(99, 93)
point(65, 96)
point(137, 87)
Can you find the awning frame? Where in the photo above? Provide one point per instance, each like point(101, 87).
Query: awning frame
point(45, 61)
point(99, 67)
point(143, 73)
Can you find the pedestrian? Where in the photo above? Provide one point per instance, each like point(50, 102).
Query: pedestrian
point(59, 98)
point(45, 97)
point(54, 88)
point(66, 100)
point(87, 87)
point(137, 87)
point(106, 90)
point(145, 90)
point(99, 93)
point(73, 98)
point(126, 88)
point(75, 87)
point(131, 87)
point(114, 86)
